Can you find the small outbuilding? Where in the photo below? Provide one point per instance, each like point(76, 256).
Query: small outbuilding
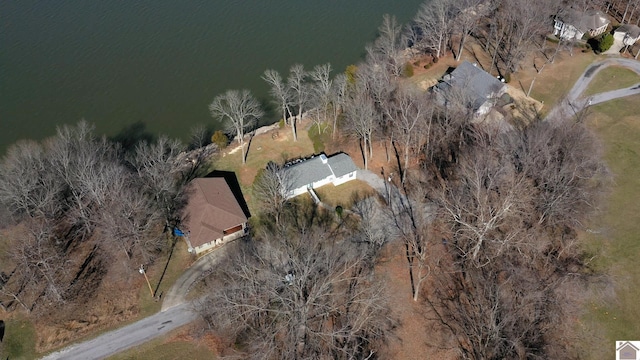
point(628, 34)
point(216, 212)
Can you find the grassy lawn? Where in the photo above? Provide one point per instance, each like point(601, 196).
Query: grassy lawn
point(263, 149)
point(162, 349)
point(618, 239)
point(176, 265)
point(612, 78)
point(343, 194)
point(556, 79)
point(19, 339)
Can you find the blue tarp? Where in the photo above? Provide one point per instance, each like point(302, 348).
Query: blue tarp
point(177, 232)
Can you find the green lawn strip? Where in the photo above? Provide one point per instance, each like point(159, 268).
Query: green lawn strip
point(264, 148)
point(617, 237)
point(160, 349)
point(19, 339)
point(611, 78)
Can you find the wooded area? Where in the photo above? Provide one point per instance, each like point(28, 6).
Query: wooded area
point(488, 214)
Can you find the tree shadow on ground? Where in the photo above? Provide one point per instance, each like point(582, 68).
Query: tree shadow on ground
point(132, 135)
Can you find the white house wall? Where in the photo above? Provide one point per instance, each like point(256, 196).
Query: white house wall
point(344, 178)
point(221, 241)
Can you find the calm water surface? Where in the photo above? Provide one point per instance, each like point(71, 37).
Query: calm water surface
point(116, 63)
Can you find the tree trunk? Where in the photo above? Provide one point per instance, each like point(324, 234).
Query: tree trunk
point(244, 158)
point(364, 153)
point(462, 40)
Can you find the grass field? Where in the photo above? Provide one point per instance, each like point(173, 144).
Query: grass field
point(343, 194)
point(263, 148)
point(555, 81)
point(612, 78)
point(19, 339)
point(617, 239)
point(178, 261)
point(163, 349)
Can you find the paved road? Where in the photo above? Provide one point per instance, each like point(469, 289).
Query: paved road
point(128, 336)
point(574, 103)
point(178, 292)
point(176, 312)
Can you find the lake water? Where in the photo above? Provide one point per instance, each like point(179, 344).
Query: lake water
point(120, 62)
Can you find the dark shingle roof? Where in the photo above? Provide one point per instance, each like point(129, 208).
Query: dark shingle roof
point(477, 84)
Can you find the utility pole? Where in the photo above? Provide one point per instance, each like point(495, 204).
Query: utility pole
point(141, 270)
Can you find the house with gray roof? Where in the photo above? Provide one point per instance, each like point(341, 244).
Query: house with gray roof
point(470, 86)
point(574, 24)
point(628, 34)
point(319, 171)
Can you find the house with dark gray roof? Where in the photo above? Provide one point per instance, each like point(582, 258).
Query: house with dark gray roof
point(574, 24)
point(319, 171)
point(471, 87)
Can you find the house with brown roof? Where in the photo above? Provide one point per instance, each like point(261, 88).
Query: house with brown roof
point(215, 214)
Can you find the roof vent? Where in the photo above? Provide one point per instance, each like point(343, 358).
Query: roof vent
point(323, 157)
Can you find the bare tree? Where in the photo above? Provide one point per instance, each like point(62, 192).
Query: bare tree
point(199, 137)
point(270, 188)
point(321, 93)
point(239, 110)
point(158, 174)
point(300, 89)
point(40, 262)
point(412, 217)
point(517, 26)
point(432, 26)
point(379, 85)
point(503, 290)
point(280, 92)
point(27, 185)
point(361, 117)
point(410, 116)
point(388, 46)
point(130, 224)
point(299, 296)
point(337, 97)
point(566, 167)
point(89, 168)
point(466, 19)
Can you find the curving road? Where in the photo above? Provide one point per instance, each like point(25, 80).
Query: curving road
point(176, 312)
point(574, 103)
point(128, 336)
